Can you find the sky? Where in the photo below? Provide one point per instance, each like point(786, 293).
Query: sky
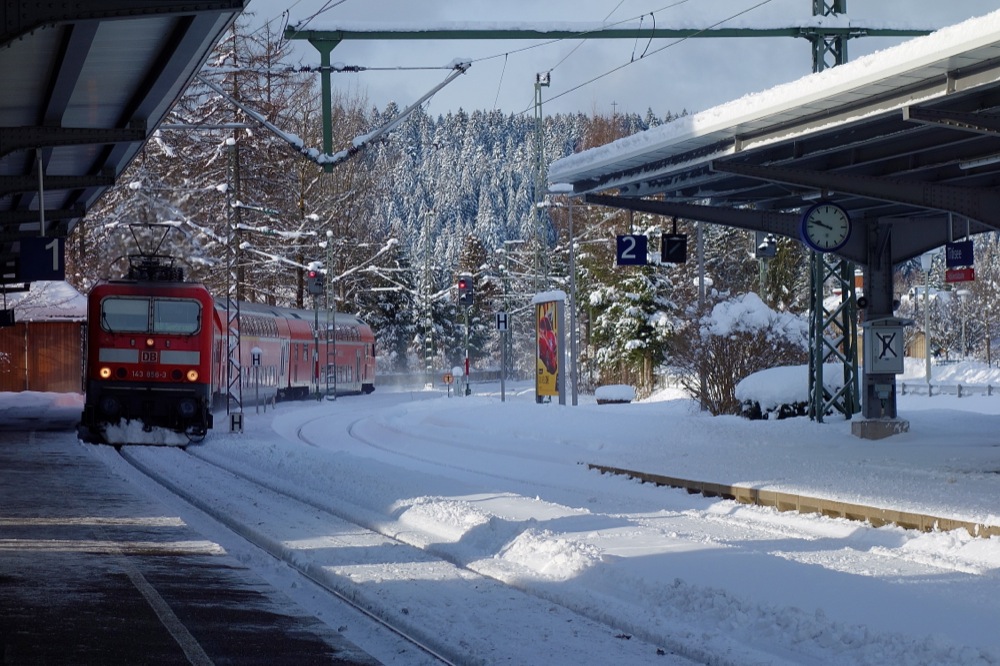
point(692, 75)
point(471, 520)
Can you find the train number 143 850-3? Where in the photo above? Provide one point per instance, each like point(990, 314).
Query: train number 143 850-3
point(149, 374)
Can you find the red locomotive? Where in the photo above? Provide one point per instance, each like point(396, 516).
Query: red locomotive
point(157, 357)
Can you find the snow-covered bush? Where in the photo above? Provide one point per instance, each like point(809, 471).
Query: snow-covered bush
point(782, 392)
point(733, 340)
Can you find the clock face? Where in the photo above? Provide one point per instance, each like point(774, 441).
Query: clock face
point(826, 227)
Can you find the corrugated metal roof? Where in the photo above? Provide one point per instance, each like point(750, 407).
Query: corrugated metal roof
point(84, 86)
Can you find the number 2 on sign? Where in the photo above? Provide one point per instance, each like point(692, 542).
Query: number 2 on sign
point(632, 250)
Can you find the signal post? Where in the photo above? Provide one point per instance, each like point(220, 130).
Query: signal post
point(466, 297)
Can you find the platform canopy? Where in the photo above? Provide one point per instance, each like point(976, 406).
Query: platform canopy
point(84, 85)
point(907, 138)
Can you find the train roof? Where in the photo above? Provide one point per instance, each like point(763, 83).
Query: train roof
point(308, 316)
point(137, 286)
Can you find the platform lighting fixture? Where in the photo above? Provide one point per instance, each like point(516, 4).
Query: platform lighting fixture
point(981, 162)
point(543, 78)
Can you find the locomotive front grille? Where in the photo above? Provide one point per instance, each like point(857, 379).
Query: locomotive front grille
point(174, 406)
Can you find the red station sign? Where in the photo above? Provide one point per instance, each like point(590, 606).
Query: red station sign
point(960, 275)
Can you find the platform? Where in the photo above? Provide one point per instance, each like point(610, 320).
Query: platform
point(94, 572)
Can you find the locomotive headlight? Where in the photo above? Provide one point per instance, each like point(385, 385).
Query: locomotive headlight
point(105, 372)
point(150, 342)
point(192, 375)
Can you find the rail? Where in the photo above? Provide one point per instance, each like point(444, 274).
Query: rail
point(931, 389)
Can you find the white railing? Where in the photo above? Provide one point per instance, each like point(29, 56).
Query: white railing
point(959, 390)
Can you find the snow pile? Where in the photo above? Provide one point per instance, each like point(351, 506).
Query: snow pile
point(615, 393)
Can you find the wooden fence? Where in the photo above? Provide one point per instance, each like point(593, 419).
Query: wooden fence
point(42, 356)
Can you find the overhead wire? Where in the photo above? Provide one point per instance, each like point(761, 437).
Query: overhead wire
point(332, 4)
point(286, 13)
point(647, 53)
point(573, 50)
point(500, 84)
point(327, 6)
point(582, 35)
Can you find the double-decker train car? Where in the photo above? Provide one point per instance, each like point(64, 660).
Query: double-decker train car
point(157, 358)
point(294, 354)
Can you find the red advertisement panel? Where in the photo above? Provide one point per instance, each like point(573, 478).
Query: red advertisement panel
point(547, 349)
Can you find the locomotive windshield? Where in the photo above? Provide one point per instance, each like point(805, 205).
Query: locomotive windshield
point(176, 316)
point(144, 315)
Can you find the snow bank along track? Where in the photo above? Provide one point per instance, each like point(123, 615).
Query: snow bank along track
point(361, 565)
point(792, 502)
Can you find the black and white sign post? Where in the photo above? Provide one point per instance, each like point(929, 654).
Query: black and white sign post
point(255, 355)
point(502, 328)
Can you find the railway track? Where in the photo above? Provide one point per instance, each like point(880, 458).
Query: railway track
point(451, 515)
point(363, 565)
point(260, 538)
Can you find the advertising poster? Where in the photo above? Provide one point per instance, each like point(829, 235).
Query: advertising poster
point(547, 356)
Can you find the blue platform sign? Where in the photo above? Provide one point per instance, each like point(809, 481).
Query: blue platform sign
point(958, 254)
point(42, 259)
point(632, 250)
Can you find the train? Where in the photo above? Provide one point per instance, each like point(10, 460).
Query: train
point(157, 361)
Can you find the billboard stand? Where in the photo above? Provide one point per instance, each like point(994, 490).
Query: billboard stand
point(550, 346)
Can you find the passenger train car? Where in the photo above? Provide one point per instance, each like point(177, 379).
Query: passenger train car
point(157, 358)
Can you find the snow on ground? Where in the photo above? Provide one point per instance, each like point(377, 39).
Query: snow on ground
point(502, 488)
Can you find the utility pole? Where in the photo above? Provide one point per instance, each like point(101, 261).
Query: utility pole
point(427, 312)
point(234, 379)
point(830, 51)
point(331, 321)
point(542, 80)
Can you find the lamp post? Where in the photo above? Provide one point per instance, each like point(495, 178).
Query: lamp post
point(926, 260)
point(572, 307)
point(963, 295)
point(507, 351)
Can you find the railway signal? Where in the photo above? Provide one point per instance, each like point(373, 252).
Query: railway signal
point(314, 282)
point(466, 290)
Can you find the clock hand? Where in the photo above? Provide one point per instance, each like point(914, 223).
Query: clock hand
point(820, 224)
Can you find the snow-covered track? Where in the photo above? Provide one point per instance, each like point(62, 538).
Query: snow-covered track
point(358, 563)
point(258, 536)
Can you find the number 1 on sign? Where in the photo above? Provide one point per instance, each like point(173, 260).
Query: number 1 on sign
point(54, 247)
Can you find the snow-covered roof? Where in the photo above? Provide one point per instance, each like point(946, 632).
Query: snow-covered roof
point(918, 70)
point(48, 301)
point(548, 296)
